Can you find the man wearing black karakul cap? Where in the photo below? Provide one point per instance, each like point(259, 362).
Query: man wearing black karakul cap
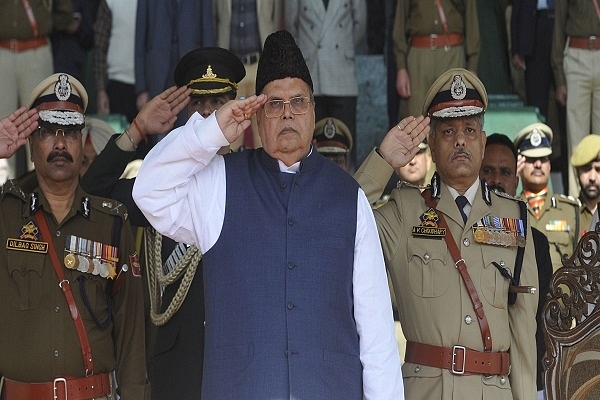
point(296, 296)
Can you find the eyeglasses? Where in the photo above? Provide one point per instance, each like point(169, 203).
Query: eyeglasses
point(298, 106)
point(47, 134)
point(532, 160)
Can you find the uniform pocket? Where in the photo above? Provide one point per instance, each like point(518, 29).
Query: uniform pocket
point(494, 286)
point(428, 270)
point(25, 270)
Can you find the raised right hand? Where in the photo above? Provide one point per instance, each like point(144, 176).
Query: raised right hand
point(401, 143)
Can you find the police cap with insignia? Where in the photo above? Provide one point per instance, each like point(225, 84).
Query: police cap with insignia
point(281, 58)
point(456, 93)
point(534, 140)
point(61, 100)
point(210, 71)
point(586, 151)
point(332, 136)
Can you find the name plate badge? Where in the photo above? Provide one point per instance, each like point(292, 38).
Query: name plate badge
point(31, 246)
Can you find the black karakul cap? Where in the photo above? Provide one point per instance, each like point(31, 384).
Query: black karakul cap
point(281, 58)
point(209, 71)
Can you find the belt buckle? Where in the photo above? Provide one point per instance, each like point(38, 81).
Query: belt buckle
point(432, 43)
point(54, 387)
point(464, 360)
point(592, 43)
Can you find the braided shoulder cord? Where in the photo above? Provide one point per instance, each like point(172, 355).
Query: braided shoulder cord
point(186, 266)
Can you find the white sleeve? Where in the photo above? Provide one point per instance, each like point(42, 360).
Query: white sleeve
point(180, 186)
point(382, 375)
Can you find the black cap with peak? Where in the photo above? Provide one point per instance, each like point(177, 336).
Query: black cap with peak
point(210, 71)
point(281, 58)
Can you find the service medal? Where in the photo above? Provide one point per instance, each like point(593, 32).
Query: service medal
point(479, 236)
point(521, 241)
point(71, 261)
point(103, 269)
point(112, 271)
point(96, 264)
point(84, 264)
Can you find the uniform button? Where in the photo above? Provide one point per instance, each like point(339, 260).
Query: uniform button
point(426, 257)
point(283, 184)
point(468, 320)
point(242, 24)
point(56, 309)
point(290, 305)
point(287, 354)
point(291, 265)
point(418, 369)
point(55, 353)
point(57, 233)
point(502, 380)
point(502, 263)
point(291, 221)
point(466, 242)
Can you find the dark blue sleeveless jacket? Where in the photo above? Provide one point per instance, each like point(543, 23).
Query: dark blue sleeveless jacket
point(278, 284)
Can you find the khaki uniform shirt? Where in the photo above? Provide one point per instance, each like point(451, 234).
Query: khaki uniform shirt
point(38, 340)
point(559, 221)
point(572, 18)
point(433, 304)
point(417, 17)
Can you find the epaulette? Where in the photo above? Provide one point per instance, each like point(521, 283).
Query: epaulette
point(12, 187)
point(411, 185)
point(107, 206)
point(500, 193)
point(568, 199)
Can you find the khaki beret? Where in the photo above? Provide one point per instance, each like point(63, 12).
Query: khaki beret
point(99, 133)
point(534, 140)
point(60, 100)
point(332, 136)
point(586, 151)
point(456, 93)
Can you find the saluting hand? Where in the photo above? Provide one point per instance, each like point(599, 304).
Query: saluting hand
point(159, 114)
point(234, 117)
point(16, 129)
point(401, 143)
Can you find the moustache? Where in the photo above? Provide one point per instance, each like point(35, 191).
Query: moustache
point(461, 152)
point(59, 154)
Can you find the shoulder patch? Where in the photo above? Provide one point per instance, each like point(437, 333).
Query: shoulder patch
point(108, 206)
point(506, 195)
point(568, 199)
point(401, 184)
point(12, 187)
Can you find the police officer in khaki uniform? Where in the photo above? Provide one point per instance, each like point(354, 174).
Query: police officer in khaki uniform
point(429, 38)
point(70, 290)
point(555, 215)
point(332, 138)
point(586, 161)
point(454, 325)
